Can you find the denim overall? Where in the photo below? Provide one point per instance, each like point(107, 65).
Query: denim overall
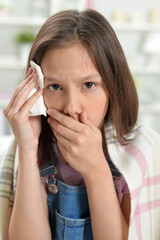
point(69, 214)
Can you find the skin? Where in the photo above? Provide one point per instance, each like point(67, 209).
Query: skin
point(77, 101)
point(77, 107)
point(27, 130)
point(74, 88)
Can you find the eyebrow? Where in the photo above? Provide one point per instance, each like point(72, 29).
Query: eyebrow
point(53, 79)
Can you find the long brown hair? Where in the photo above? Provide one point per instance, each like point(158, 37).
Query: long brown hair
point(92, 30)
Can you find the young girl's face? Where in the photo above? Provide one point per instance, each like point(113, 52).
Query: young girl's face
point(73, 84)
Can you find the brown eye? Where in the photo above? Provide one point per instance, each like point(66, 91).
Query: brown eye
point(89, 85)
point(54, 87)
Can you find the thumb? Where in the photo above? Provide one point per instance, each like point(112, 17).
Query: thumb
point(83, 117)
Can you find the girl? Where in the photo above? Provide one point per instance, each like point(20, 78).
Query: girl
point(75, 165)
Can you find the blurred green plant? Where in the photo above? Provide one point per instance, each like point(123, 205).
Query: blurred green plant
point(24, 37)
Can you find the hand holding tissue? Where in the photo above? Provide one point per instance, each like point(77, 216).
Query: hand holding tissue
point(39, 107)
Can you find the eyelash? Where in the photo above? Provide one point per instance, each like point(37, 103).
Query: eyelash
point(89, 83)
point(51, 86)
point(58, 86)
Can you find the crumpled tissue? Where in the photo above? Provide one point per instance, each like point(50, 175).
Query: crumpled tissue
point(39, 107)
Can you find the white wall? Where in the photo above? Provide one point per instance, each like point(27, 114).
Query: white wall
point(131, 43)
point(128, 6)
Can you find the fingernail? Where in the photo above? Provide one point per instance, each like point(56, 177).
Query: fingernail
point(39, 89)
point(48, 119)
point(85, 114)
point(30, 70)
point(49, 111)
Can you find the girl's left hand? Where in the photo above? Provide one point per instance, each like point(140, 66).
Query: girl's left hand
point(79, 142)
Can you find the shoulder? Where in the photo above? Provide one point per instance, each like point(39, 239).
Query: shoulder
point(146, 139)
point(144, 143)
point(138, 133)
point(149, 134)
point(140, 153)
point(142, 137)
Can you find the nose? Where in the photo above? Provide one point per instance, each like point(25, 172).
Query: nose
point(72, 105)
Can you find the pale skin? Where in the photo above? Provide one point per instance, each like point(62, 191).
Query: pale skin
point(77, 102)
point(29, 204)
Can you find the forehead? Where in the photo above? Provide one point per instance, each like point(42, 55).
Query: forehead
point(69, 58)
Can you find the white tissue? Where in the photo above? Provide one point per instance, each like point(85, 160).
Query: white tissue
point(39, 73)
point(39, 107)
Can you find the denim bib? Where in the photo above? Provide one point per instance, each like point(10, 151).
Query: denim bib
point(69, 214)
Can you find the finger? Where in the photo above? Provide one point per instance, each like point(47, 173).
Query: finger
point(27, 106)
point(65, 120)
point(62, 149)
point(85, 119)
point(23, 94)
point(30, 70)
point(18, 89)
point(62, 141)
point(61, 129)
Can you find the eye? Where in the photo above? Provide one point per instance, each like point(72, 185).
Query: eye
point(89, 85)
point(54, 87)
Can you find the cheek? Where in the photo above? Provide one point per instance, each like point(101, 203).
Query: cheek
point(50, 100)
point(47, 99)
point(102, 103)
point(98, 109)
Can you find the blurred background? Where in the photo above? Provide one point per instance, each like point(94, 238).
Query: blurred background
point(136, 23)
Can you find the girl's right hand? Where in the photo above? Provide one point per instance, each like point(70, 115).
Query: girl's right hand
point(26, 129)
